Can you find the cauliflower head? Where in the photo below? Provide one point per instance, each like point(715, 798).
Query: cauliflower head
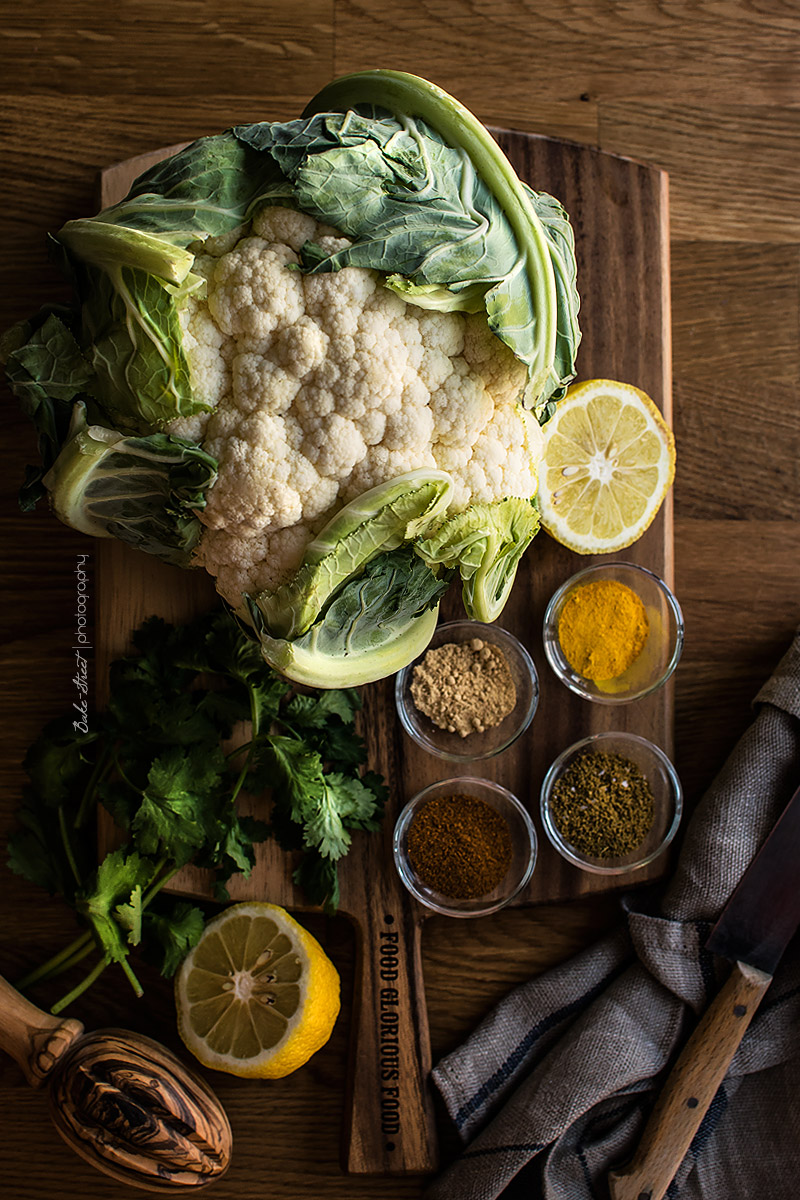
point(322, 386)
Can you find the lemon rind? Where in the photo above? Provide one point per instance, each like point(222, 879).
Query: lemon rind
point(580, 394)
point(307, 1030)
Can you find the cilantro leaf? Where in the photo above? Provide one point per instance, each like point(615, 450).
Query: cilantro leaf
point(35, 848)
point(225, 650)
point(129, 916)
point(118, 883)
point(344, 802)
point(319, 879)
point(339, 745)
point(172, 933)
point(325, 805)
point(313, 712)
point(57, 760)
point(159, 760)
point(298, 782)
point(175, 817)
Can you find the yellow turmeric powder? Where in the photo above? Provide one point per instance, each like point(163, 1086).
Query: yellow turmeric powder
point(602, 629)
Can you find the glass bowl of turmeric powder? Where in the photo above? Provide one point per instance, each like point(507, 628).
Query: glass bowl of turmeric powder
point(470, 695)
point(613, 632)
point(464, 847)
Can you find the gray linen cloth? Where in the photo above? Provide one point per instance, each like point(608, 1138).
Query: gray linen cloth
point(553, 1088)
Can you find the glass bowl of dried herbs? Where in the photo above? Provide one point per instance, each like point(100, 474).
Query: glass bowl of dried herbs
point(611, 803)
point(613, 632)
point(464, 847)
point(471, 694)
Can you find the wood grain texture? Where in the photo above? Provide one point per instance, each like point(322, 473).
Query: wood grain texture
point(152, 47)
point(652, 79)
point(735, 171)
point(34, 1039)
point(720, 53)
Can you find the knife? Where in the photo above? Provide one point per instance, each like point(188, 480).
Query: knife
point(753, 930)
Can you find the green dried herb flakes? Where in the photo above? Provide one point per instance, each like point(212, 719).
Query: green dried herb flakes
point(603, 805)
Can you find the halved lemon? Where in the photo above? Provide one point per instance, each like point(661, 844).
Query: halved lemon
point(257, 996)
point(608, 462)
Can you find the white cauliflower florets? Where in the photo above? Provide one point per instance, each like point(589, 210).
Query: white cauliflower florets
point(323, 386)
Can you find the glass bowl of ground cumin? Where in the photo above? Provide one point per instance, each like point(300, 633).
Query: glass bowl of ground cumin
point(470, 695)
point(613, 632)
point(464, 847)
point(611, 803)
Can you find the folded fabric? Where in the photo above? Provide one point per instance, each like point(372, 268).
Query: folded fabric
point(552, 1089)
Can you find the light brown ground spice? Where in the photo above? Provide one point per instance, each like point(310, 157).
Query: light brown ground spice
point(464, 687)
point(460, 846)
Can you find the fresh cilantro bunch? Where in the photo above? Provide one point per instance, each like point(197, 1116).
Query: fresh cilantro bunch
point(193, 719)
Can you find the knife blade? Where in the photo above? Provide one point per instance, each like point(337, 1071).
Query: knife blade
point(762, 915)
point(753, 929)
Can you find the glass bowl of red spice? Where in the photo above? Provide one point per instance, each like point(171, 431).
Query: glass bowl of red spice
point(470, 695)
point(613, 632)
point(611, 803)
point(464, 847)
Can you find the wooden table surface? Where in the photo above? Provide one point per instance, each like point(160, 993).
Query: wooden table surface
point(709, 92)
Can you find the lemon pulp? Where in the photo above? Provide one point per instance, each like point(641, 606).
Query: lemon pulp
point(257, 996)
point(608, 462)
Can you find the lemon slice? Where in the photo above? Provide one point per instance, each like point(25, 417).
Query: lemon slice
point(257, 996)
point(609, 460)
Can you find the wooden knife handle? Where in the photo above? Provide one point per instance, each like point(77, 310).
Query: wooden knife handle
point(34, 1039)
point(690, 1088)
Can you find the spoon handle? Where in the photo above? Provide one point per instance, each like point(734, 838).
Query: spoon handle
point(33, 1038)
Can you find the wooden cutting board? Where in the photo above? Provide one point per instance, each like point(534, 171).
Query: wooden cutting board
point(619, 210)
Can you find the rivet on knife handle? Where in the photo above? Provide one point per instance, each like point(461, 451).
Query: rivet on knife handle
point(690, 1088)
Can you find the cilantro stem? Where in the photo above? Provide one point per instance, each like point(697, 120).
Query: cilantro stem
point(124, 777)
point(88, 798)
point(54, 965)
point(156, 887)
point(80, 988)
point(62, 825)
point(73, 961)
point(132, 980)
point(239, 749)
point(254, 724)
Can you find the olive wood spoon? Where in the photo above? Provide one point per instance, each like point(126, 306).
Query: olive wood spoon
point(121, 1101)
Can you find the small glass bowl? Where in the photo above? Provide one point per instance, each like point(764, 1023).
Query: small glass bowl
point(523, 843)
point(476, 745)
point(661, 652)
point(667, 794)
